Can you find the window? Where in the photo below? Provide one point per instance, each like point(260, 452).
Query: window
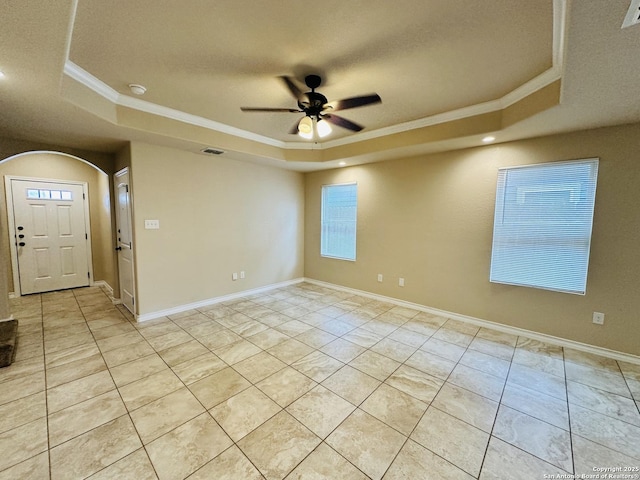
point(338, 235)
point(542, 226)
point(49, 194)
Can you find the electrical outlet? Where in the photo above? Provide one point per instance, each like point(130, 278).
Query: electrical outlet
point(598, 318)
point(234, 276)
point(401, 282)
point(380, 277)
point(242, 274)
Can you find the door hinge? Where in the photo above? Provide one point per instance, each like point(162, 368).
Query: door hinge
point(86, 236)
point(88, 274)
point(83, 197)
point(133, 301)
point(127, 188)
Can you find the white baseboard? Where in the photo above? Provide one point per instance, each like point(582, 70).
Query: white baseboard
point(542, 337)
point(103, 283)
point(97, 283)
point(563, 342)
point(109, 288)
point(212, 301)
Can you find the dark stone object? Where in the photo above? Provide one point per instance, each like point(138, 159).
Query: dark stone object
point(8, 335)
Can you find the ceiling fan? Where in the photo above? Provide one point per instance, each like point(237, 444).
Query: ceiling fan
point(315, 106)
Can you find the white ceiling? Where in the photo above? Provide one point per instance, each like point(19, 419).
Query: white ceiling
point(431, 61)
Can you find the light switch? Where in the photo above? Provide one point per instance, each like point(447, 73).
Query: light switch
point(152, 224)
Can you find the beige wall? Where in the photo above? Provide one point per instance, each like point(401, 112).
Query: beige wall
point(430, 220)
point(122, 158)
point(217, 216)
point(63, 167)
point(13, 146)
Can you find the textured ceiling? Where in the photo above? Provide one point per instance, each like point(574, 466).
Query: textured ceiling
point(208, 59)
point(448, 72)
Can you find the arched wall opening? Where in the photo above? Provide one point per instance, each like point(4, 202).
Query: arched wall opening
point(52, 165)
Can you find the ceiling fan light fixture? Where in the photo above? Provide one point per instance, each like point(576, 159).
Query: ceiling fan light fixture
point(317, 110)
point(323, 127)
point(305, 127)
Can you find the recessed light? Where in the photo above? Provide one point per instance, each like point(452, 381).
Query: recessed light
point(488, 139)
point(342, 164)
point(2, 75)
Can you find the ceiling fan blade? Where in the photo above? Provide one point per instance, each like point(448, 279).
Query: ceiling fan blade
point(342, 122)
point(353, 102)
point(293, 88)
point(251, 109)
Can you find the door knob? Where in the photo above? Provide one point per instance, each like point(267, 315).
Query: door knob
point(22, 244)
point(20, 228)
point(21, 236)
point(118, 248)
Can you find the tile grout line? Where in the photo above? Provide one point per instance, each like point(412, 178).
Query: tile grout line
point(115, 388)
point(408, 437)
point(314, 349)
point(128, 412)
point(119, 395)
point(46, 390)
point(429, 406)
point(566, 389)
point(206, 411)
point(495, 420)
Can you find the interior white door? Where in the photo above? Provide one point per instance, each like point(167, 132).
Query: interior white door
point(124, 240)
point(50, 235)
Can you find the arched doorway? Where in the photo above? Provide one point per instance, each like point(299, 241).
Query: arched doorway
point(55, 170)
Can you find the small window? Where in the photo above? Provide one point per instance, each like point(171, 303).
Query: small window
point(49, 194)
point(339, 208)
point(542, 225)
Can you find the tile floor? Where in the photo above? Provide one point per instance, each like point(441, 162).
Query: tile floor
point(302, 382)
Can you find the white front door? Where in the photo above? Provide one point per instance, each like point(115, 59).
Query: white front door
point(51, 235)
point(124, 240)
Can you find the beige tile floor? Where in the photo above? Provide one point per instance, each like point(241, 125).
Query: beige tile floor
point(302, 382)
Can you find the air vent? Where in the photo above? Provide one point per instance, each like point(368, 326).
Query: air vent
point(212, 151)
point(633, 15)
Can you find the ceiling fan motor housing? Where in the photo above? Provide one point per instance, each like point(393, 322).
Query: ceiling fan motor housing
point(315, 104)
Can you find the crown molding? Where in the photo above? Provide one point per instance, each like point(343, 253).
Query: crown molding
point(179, 115)
point(80, 75)
point(551, 75)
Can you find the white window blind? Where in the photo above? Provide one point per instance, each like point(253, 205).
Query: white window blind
point(339, 208)
point(542, 226)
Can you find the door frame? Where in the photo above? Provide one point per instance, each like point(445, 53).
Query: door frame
point(134, 285)
point(17, 289)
